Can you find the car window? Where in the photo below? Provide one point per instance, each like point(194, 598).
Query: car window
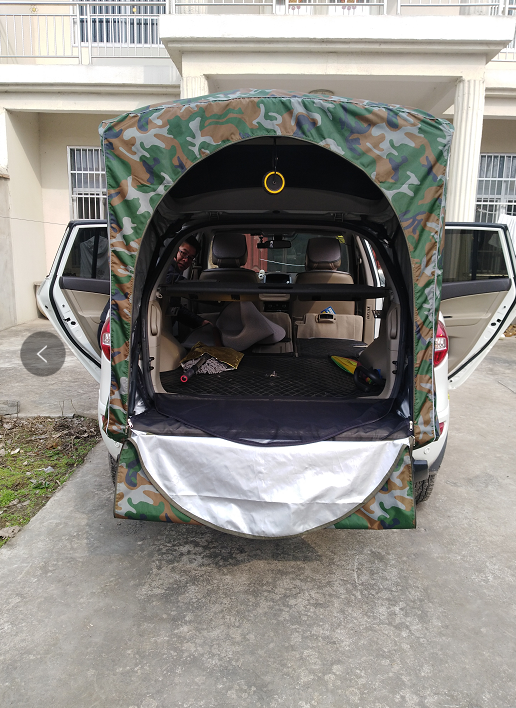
point(471, 254)
point(89, 257)
point(286, 260)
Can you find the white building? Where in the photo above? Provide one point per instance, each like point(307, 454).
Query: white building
point(66, 66)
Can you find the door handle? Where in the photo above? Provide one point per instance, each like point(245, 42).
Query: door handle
point(154, 320)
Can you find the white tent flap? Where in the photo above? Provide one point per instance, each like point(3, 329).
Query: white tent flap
point(265, 491)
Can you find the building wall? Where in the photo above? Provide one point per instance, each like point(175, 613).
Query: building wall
point(57, 132)
point(499, 136)
point(7, 302)
point(26, 210)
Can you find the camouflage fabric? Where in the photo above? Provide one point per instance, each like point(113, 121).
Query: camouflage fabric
point(137, 498)
point(392, 507)
point(404, 151)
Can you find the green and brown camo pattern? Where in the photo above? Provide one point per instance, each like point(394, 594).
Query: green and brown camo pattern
point(137, 498)
point(392, 507)
point(404, 151)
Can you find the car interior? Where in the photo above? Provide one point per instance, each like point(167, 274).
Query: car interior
point(292, 288)
point(309, 331)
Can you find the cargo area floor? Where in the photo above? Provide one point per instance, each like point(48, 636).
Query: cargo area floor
point(310, 375)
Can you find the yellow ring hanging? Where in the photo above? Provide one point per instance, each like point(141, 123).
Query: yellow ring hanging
point(274, 191)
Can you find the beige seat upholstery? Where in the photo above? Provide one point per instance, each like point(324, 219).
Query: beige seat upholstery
point(229, 253)
point(322, 261)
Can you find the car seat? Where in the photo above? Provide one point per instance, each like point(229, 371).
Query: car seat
point(334, 319)
point(321, 262)
point(229, 253)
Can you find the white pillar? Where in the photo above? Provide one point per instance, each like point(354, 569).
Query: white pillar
point(7, 297)
point(193, 86)
point(465, 152)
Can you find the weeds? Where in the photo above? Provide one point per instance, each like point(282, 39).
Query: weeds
point(37, 455)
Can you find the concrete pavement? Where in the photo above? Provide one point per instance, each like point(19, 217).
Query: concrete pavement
point(100, 612)
point(71, 390)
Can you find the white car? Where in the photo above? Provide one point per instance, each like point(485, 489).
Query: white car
point(478, 302)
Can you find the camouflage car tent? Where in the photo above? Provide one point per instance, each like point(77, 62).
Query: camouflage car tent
point(403, 151)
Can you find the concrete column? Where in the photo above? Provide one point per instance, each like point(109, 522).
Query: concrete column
point(193, 86)
point(465, 152)
point(7, 299)
point(27, 234)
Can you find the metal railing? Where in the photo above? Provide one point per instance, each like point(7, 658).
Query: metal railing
point(344, 7)
point(80, 31)
point(280, 7)
point(456, 7)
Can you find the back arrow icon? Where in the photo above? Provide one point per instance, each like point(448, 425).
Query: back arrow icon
point(42, 357)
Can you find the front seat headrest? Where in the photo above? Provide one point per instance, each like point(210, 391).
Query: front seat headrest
point(322, 254)
point(229, 250)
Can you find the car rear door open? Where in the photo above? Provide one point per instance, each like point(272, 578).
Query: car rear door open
point(77, 290)
point(478, 299)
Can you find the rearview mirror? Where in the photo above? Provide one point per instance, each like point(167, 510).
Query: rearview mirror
point(274, 244)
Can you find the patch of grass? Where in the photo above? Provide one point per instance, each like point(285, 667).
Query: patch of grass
point(36, 456)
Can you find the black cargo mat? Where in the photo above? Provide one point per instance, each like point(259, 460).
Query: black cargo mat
point(310, 375)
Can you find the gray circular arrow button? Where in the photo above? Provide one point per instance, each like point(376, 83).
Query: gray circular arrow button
point(42, 354)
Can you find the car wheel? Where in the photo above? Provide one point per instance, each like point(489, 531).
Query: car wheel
point(423, 489)
point(113, 467)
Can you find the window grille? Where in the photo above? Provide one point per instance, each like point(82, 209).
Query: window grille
point(496, 191)
point(87, 183)
point(114, 23)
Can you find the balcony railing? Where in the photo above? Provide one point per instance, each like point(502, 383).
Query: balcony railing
point(280, 7)
point(52, 30)
point(345, 7)
point(456, 7)
point(80, 31)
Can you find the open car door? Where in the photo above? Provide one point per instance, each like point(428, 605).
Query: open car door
point(76, 291)
point(478, 299)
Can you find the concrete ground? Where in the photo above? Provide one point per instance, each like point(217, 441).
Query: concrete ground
point(71, 390)
point(100, 612)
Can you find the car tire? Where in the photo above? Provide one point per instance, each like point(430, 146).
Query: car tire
point(113, 467)
point(423, 489)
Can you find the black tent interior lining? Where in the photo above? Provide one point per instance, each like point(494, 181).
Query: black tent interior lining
point(273, 423)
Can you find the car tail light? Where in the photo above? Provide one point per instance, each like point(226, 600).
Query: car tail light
point(441, 344)
point(441, 428)
point(105, 339)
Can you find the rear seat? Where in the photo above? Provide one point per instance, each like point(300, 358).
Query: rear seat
point(322, 260)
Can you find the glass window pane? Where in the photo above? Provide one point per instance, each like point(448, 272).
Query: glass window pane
point(89, 257)
point(472, 255)
point(286, 260)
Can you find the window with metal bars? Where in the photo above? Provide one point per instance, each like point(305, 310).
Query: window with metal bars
point(87, 179)
point(120, 22)
point(496, 191)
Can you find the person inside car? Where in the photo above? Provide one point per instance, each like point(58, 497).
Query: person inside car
point(181, 262)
